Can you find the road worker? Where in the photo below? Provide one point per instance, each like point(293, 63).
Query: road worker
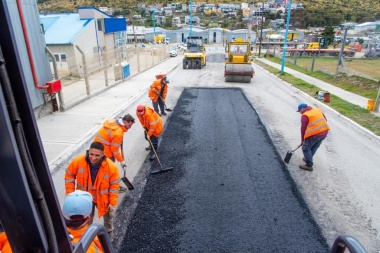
point(111, 135)
point(157, 93)
point(76, 210)
point(314, 130)
point(5, 246)
point(95, 173)
point(238, 50)
point(152, 124)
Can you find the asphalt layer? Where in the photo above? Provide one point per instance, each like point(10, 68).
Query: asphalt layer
point(229, 190)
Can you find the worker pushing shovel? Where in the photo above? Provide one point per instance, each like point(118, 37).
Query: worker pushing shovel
point(152, 124)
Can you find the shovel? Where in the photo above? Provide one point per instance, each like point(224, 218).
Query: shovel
point(162, 169)
point(289, 154)
point(166, 108)
point(124, 178)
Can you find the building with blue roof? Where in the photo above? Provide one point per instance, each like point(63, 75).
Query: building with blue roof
point(89, 32)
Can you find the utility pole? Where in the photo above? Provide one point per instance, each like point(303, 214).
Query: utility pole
point(340, 60)
point(286, 37)
point(262, 24)
point(249, 25)
point(191, 18)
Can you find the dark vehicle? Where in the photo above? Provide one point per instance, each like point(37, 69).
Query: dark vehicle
point(372, 53)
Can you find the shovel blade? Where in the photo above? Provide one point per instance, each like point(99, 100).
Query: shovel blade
point(288, 156)
point(161, 170)
point(127, 183)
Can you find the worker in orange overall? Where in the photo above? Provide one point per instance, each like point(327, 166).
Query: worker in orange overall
point(95, 173)
point(76, 210)
point(5, 246)
point(152, 124)
point(157, 93)
point(111, 135)
point(314, 130)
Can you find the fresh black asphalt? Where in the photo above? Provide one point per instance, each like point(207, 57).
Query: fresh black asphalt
point(229, 190)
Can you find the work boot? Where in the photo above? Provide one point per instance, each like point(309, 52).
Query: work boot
point(152, 157)
point(122, 189)
point(164, 113)
point(306, 167)
point(148, 148)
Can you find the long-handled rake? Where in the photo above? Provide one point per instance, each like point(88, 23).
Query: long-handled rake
point(162, 168)
point(166, 108)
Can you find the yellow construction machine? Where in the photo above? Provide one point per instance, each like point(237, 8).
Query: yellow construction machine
point(195, 55)
point(238, 66)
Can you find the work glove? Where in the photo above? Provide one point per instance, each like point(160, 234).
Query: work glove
point(158, 92)
point(111, 208)
point(123, 164)
point(163, 100)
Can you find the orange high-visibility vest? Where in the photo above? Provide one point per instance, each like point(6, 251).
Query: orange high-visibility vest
point(95, 245)
point(151, 121)
point(105, 190)
point(317, 122)
point(5, 246)
point(111, 136)
point(156, 88)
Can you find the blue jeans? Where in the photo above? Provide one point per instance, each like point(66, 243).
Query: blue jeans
point(153, 141)
point(309, 147)
point(158, 104)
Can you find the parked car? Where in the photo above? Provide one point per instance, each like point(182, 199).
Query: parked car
point(173, 52)
point(182, 46)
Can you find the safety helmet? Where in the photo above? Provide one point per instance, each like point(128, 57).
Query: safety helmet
point(141, 108)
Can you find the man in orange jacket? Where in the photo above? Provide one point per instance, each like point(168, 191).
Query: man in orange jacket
point(111, 135)
point(95, 173)
point(76, 210)
point(5, 246)
point(314, 130)
point(157, 93)
point(152, 124)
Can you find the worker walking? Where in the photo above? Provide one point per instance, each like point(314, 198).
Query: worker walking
point(111, 135)
point(95, 173)
point(76, 210)
point(152, 124)
point(314, 130)
point(157, 93)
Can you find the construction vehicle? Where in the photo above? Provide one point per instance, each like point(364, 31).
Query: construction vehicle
point(238, 66)
point(195, 55)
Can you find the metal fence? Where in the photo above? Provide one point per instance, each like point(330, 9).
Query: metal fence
point(95, 72)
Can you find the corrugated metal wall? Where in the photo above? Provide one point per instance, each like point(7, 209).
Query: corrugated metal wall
point(37, 42)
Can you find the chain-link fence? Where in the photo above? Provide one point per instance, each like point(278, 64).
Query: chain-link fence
point(90, 73)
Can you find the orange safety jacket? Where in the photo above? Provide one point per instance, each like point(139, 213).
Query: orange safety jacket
point(317, 122)
point(151, 121)
point(95, 246)
point(111, 136)
point(5, 246)
point(105, 190)
point(156, 88)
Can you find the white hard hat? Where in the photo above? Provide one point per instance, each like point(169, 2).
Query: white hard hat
point(77, 203)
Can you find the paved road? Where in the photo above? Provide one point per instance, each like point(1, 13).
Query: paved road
point(229, 190)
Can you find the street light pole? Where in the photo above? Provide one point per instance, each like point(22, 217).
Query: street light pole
point(286, 37)
point(262, 24)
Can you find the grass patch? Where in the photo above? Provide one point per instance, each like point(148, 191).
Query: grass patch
point(355, 84)
point(360, 115)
